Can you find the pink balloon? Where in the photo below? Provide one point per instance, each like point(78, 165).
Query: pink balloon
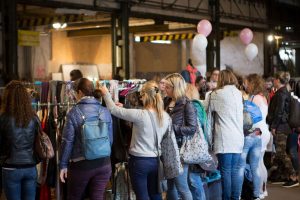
point(204, 27)
point(246, 36)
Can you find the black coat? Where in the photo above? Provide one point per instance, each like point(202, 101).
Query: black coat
point(279, 109)
point(17, 144)
point(184, 118)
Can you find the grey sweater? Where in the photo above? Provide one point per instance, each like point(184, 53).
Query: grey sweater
point(143, 141)
point(228, 105)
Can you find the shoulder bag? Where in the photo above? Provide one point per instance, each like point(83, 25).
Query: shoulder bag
point(43, 145)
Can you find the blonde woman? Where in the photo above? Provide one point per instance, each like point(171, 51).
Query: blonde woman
point(195, 181)
point(184, 122)
point(143, 163)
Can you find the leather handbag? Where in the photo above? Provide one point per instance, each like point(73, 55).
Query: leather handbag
point(43, 145)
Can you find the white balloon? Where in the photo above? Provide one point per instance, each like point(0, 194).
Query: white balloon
point(251, 51)
point(199, 42)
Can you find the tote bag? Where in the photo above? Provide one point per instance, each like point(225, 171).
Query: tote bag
point(195, 150)
point(170, 154)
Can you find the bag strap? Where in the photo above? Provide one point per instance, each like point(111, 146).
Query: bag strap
point(155, 130)
point(252, 97)
point(83, 116)
point(40, 128)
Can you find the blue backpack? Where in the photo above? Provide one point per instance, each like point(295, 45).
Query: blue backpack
point(95, 137)
point(253, 110)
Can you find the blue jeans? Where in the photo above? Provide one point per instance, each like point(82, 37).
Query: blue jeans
point(196, 186)
point(143, 175)
point(251, 154)
point(292, 149)
point(228, 163)
point(180, 184)
point(19, 184)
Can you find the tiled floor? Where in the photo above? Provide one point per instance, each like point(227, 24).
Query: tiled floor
point(276, 192)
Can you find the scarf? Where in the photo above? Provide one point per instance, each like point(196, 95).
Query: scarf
point(192, 72)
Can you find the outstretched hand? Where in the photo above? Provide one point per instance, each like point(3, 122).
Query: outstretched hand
point(102, 88)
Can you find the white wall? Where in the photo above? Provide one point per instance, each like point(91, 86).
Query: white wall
point(233, 54)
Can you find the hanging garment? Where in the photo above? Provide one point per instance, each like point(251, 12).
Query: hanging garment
point(122, 189)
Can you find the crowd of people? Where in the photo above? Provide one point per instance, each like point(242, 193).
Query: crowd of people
point(169, 103)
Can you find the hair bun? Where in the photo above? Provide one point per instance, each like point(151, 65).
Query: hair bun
point(156, 89)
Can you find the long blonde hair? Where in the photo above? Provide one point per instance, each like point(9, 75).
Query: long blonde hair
point(178, 83)
point(152, 98)
point(192, 92)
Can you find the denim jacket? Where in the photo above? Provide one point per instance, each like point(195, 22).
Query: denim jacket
point(71, 148)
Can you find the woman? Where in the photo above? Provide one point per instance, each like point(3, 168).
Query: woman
point(83, 174)
point(143, 163)
point(184, 122)
point(256, 142)
point(195, 180)
point(278, 121)
point(226, 103)
point(18, 128)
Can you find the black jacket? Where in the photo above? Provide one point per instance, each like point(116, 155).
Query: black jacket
point(279, 109)
point(184, 118)
point(17, 144)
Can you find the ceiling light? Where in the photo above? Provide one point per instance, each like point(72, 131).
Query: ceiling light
point(137, 38)
point(270, 38)
point(56, 25)
point(64, 25)
point(161, 41)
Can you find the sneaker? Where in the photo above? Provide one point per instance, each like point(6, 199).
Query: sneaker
point(290, 184)
point(262, 196)
point(265, 193)
point(256, 198)
point(278, 182)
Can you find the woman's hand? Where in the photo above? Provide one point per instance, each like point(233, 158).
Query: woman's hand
point(103, 89)
point(63, 174)
point(273, 131)
point(119, 104)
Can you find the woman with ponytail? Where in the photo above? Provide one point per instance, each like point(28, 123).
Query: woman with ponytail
point(143, 162)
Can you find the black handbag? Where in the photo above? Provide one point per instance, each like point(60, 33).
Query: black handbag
point(294, 114)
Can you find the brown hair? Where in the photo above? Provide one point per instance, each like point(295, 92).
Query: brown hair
point(226, 77)
point(85, 86)
point(153, 99)
point(283, 77)
point(75, 74)
point(257, 84)
point(16, 103)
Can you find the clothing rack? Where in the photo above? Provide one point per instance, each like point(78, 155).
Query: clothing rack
point(53, 104)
